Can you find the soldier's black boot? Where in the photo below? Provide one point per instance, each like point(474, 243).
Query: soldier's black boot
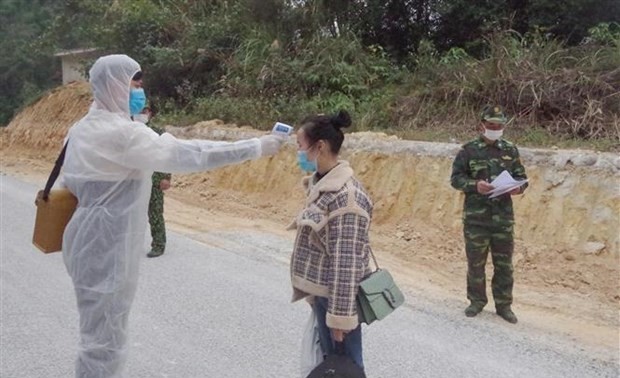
point(507, 314)
point(155, 253)
point(473, 310)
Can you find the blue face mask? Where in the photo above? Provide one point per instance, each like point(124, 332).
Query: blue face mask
point(137, 101)
point(303, 162)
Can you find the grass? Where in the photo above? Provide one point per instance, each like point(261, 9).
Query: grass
point(567, 98)
point(531, 137)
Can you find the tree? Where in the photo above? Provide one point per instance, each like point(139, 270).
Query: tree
point(462, 23)
point(25, 68)
point(396, 25)
point(570, 20)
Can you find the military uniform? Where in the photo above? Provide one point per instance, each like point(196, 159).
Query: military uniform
point(488, 223)
point(156, 209)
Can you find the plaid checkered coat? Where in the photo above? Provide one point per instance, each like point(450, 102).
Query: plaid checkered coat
point(332, 249)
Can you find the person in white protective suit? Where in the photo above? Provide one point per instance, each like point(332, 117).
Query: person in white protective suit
point(108, 167)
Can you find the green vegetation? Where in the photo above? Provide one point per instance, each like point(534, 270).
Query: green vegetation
point(417, 68)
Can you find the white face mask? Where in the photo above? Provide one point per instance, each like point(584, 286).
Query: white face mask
point(493, 134)
point(144, 118)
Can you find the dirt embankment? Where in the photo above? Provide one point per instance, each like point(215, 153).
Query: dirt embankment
point(568, 222)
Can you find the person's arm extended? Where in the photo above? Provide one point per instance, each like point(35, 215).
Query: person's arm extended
point(144, 149)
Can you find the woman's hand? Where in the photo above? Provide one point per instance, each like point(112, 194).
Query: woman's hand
point(270, 144)
point(338, 335)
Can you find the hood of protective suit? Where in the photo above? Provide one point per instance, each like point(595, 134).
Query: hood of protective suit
point(110, 79)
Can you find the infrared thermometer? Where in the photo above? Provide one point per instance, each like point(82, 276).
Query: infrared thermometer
point(282, 129)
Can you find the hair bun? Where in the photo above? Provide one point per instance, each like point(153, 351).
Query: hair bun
point(341, 119)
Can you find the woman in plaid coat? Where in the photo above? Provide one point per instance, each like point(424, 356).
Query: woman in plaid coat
point(332, 248)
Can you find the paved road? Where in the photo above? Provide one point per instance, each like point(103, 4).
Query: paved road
point(217, 305)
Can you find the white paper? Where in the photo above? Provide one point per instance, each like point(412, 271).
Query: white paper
point(504, 183)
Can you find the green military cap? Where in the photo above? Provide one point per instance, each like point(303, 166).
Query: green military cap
point(493, 114)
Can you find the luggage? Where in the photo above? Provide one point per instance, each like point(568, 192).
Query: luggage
point(52, 218)
point(338, 366)
point(378, 296)
point(54, 210)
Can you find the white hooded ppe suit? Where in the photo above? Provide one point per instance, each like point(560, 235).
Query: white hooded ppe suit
point(108, 167)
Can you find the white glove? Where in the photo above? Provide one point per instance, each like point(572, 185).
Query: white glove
point(270, 144)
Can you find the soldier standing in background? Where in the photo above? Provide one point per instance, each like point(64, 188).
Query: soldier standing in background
point(488, 223)
point(161, 182)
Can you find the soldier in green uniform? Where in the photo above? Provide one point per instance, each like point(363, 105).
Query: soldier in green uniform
point(161, 182)
point(488, 222)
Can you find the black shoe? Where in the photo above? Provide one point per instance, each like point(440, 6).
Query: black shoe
point(154, 253)
point(473, 310)
point(507, 314)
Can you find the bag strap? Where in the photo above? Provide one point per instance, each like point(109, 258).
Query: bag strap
point(55, 172)
point(374, 259)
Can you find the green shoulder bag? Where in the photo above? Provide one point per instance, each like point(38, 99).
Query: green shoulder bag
point(378, 295)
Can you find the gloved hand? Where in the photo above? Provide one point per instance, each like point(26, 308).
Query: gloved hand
point(270, 144)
